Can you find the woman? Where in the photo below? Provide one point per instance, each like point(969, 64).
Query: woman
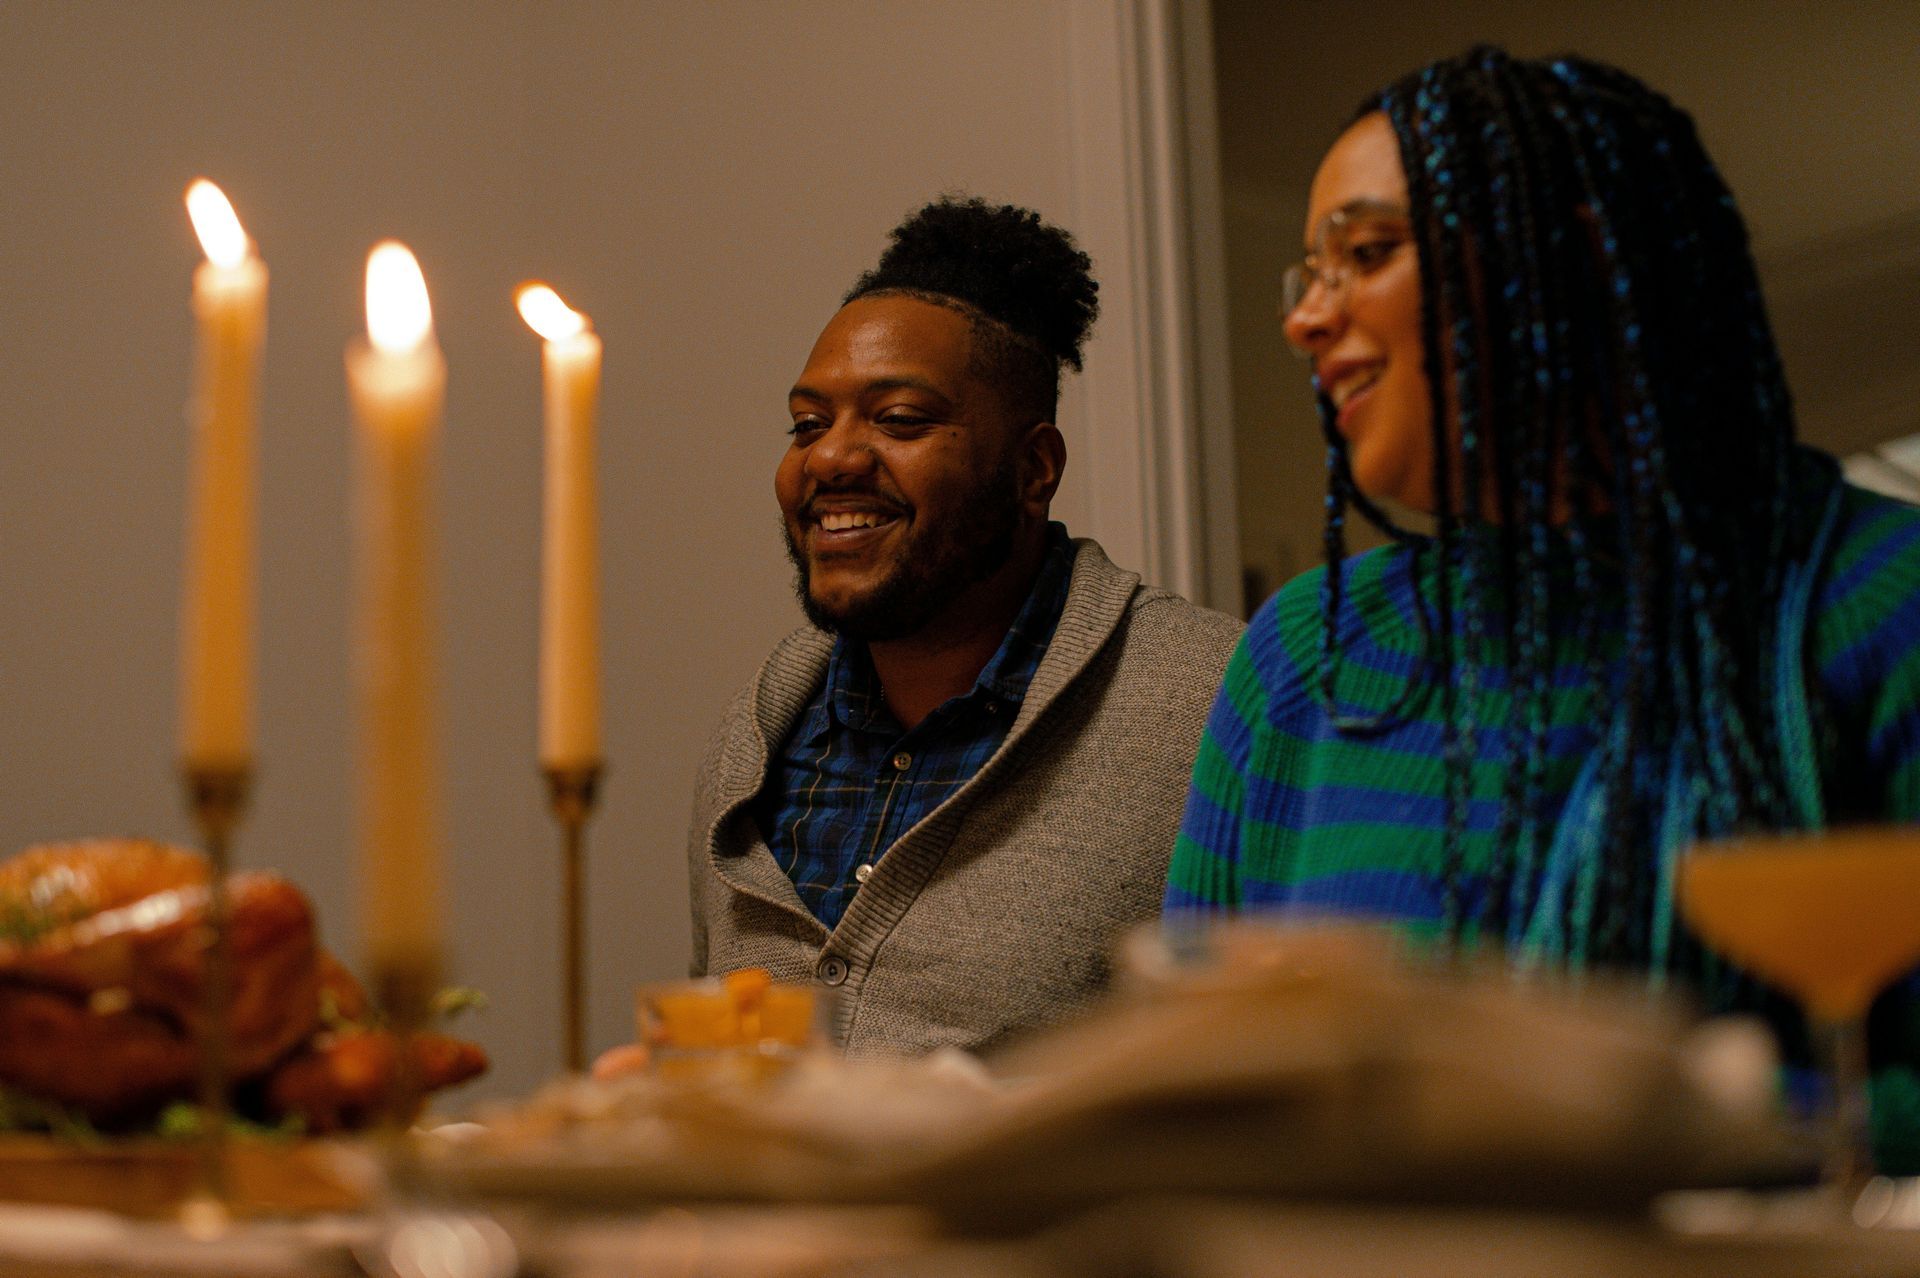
point(1643, 615)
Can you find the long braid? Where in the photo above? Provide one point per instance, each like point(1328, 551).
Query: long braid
point(1542, 400)
point(1522, 487)
point(1602, 906)
point(1713, 588)
point(1343, 494)
point(1613, 455)
point(1553, 471)
point(1434, 184)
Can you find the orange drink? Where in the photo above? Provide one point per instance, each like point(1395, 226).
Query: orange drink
point(743, 1025)
point(788, 1014)
point(1830, 918)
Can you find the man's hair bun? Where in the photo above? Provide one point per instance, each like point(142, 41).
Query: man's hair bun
point(1000, 260)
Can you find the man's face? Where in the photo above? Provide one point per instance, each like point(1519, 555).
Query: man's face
point(901, 487)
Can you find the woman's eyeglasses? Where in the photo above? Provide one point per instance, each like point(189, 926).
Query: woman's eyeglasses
point(1355, 239)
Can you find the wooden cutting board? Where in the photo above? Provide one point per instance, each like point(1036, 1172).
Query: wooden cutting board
point(152, 1178)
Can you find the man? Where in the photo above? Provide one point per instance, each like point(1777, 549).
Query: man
point(952, 792)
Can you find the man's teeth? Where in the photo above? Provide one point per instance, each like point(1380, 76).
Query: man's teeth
point(841, 520)
point(1351, 386)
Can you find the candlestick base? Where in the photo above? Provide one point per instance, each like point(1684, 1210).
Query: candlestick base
point(572, 792)
point(404, 985)
point(216, 796)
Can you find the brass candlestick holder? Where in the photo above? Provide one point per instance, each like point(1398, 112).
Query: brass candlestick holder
point(216, 795)
point(404, 985)
point(572, 790)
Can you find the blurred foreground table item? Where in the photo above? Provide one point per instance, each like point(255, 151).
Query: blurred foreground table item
point(1310, 1065)
point(1829, 918)
point(66, 1242)
point(1305, 1103)
point(1211, 1238)
point(1147, 1238)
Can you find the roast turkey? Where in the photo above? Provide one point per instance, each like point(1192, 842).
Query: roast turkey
point(102, 970)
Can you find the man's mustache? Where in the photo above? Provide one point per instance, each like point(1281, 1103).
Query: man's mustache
point(873, 497)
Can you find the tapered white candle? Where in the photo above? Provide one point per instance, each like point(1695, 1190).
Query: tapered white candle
point(397, 380)
point(569, 556)
point(217, 602)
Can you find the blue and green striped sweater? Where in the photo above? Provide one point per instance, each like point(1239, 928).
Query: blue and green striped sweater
point(1287, 812)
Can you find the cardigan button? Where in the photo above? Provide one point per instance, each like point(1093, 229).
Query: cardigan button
point(832, 969)
point(861, 873)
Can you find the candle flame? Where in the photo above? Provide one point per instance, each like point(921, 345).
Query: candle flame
point(399, 317)
point(221, 237)
point(547, 315)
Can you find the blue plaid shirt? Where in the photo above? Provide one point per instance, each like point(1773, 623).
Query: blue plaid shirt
point(849, 780)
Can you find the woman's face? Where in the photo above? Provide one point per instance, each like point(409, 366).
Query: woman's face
point(1362, 326)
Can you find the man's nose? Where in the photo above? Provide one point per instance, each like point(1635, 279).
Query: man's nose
point(843, 451)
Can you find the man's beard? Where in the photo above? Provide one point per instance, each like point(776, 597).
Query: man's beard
point(933, 565)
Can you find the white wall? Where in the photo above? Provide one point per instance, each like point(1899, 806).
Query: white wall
point(704, 177)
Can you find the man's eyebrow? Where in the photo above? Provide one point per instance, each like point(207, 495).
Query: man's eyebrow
point(902, 383)
point(803, 391)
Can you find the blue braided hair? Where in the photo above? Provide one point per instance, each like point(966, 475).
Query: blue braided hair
point(1614, 450)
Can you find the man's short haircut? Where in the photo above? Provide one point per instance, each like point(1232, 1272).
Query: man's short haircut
point(1027, 292)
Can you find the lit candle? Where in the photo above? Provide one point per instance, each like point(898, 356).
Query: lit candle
point(569, 578)
point(216, 613)
point(397, 379)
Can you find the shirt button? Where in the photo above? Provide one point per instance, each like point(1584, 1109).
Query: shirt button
point(832, 969)
point(902, 761)
point(861, 873)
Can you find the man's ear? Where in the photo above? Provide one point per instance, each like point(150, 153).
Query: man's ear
point(1043, 459)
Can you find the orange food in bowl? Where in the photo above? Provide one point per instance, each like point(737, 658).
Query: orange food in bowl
point(744, 1009)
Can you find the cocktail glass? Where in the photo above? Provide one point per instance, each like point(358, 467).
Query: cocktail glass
point(1831, 919)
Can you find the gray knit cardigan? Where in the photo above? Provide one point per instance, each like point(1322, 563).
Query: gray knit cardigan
point(996, 913)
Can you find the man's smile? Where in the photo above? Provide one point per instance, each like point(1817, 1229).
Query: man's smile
point(841, 520)
point(842, 525)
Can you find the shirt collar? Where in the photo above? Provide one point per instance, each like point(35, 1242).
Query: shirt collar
point(853, 695)
point(1007, 674)
point(855, 700)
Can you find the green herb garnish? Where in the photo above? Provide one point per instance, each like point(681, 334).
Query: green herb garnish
point(181, 1121)
point(20, 1112)
point(454, 1000)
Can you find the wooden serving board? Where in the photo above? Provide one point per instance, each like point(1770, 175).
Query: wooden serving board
point(152, 1178)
